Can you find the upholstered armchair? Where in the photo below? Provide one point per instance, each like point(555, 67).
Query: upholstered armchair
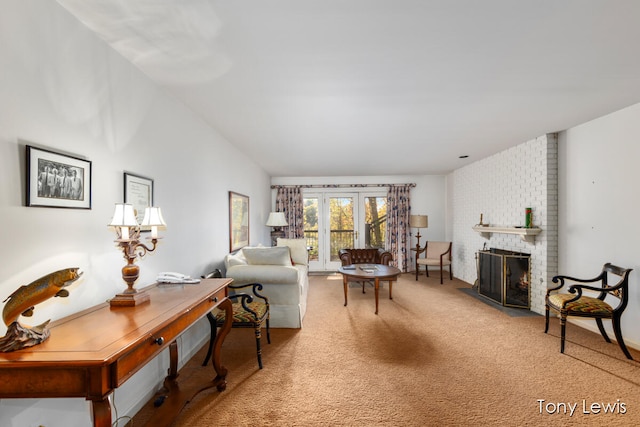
point(250, 310)
point(364, 256)
point(574, 302)
point(436, 254)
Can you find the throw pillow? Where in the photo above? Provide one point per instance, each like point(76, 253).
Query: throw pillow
point(267, 256)
point(298, 248)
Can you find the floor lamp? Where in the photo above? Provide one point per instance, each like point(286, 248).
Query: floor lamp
point(418, 221)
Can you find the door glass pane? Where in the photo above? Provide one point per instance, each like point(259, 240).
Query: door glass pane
point(311, 226)
point(341, 225)
point(375, 217)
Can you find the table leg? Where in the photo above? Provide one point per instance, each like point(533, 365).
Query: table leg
point(175, 397)
point(390, 288)
point(345, 283)
point(377, 290)
point(101, 412)
point(221, 378)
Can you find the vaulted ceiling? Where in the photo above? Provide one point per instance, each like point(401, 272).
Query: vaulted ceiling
point(380, 87)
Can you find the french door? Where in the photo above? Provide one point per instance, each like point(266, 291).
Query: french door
point(336, 220)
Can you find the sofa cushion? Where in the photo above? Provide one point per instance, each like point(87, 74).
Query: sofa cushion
point(267, 256)
point(235, 259)
point(265, 274)
point(298, 248)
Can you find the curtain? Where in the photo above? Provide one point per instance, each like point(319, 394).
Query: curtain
point(398, 211)
point(289, 200)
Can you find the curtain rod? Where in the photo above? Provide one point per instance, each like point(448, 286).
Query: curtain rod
point(342, 185)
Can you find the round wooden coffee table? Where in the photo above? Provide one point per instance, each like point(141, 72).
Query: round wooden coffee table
point(373, 272)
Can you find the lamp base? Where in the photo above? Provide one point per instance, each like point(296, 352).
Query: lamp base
point(129, 300)
point(274, 237)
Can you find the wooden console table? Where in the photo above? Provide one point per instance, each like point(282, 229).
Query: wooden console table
point(91, 353)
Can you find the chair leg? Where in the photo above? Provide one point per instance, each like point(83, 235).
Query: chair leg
point(214, 327)
point(450, 273)
point(268, 333)
point(441, 274)
point(601, 329)
point(258, 349)
point(563, 329)
point(546, 319)
point(618, 333)
point(426, 267)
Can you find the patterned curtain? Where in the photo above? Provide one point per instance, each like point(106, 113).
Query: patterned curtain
point(289, 200)
point(398, 211)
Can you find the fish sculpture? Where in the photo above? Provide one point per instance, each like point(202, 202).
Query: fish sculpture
point(23, 301)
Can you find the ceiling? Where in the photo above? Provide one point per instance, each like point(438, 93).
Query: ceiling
point(380, 87)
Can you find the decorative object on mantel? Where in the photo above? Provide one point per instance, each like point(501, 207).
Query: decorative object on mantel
point(22, 302)
point(128, 232)
point(418, 221)
point(277, 221)
point(481, 224)
point(528, 218)
point(527, 234)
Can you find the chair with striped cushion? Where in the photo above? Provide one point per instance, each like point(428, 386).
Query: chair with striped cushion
point(577, 303)
point(250, 310)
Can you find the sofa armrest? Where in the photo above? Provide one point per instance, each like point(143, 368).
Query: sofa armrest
point(345, 257)
point(385, 257)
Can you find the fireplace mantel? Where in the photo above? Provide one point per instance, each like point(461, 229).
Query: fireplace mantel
point(527, 234)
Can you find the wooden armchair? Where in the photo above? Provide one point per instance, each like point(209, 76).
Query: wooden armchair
point(435, 254)
point(364, 256)
point(575, 303)
point(247, 313)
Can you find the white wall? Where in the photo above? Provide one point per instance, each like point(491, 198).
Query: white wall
point(599, 204)
point(65, 90)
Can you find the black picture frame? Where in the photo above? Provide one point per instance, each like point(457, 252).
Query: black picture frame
point(57, 180)
point(138, 191)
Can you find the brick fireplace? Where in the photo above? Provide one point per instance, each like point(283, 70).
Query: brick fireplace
point(501, 187)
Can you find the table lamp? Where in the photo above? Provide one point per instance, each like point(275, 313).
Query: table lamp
point(277, 221)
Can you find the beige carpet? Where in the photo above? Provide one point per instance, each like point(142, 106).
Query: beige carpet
point(432, 356)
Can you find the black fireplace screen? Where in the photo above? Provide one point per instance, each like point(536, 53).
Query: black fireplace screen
point(504, 277)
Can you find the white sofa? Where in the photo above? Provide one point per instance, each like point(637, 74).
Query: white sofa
point(283, 271)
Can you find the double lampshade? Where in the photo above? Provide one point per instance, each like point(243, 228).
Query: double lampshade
point(124, 217)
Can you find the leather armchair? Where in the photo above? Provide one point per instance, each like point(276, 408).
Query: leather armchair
point(364, 256)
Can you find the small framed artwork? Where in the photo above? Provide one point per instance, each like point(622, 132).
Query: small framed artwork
point(57, 180)
point(238, 221)
point(138, 191)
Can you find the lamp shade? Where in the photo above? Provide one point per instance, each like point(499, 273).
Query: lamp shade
point(123, 216)
point(153, 218)
point(418, 221)
point(276, 219)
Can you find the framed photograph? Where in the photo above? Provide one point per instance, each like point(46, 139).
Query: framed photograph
point(138, 191)
point(57, 180)
point(238, 221)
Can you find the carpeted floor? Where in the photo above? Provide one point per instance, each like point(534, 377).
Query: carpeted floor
point(432, 356)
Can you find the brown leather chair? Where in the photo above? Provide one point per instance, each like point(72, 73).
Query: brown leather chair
point(364, 256)
point(574, 303)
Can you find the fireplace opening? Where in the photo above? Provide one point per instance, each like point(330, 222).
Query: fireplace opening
point(504, 277)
